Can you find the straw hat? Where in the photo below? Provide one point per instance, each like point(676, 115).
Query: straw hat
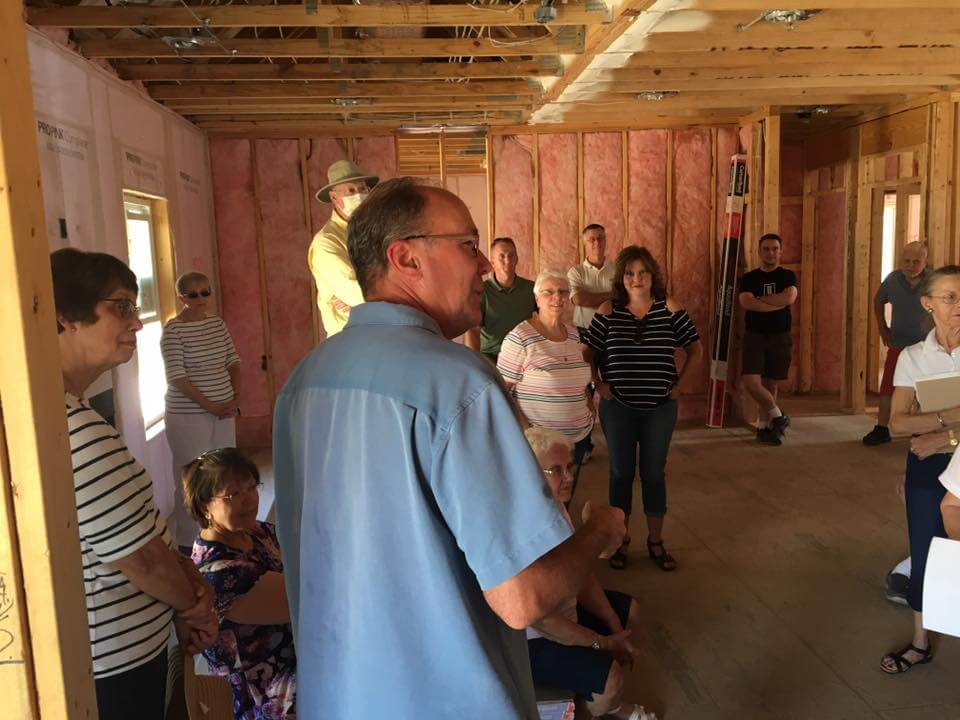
point(343, 171)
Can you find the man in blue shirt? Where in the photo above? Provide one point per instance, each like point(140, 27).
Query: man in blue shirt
point(417, 531)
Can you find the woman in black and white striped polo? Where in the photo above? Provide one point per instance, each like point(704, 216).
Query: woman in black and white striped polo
point(631, 346)
point(202, 369)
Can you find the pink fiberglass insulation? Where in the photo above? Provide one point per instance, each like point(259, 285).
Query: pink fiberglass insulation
point(728, 145)
point(647, 167)
point(891, 167)
point(791, 230)
point(285, 242)
point(559, 234)
point(235, 207)
point(828, 283)
point(377, 156)
point(513, 196)
point(321, 154)
point(791, 170)
point(603, 186)
point(689, 279)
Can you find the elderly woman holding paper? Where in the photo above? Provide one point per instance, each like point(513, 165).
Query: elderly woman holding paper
point(936, 433)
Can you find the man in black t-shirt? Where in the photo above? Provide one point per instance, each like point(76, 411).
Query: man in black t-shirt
point(767, 294)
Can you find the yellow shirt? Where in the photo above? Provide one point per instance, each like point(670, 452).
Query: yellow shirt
point(337, 288)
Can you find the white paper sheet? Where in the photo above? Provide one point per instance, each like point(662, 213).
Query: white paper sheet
point(941, 588)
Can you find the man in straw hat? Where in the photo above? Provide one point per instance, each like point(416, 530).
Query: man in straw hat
point(337, 288)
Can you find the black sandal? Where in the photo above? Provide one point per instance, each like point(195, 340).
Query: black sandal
point(664, 560)
point(902, 664)
point(618, 561)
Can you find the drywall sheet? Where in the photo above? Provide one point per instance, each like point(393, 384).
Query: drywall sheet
point(559, 215)
point(321, 154)
point(377, 156)
point(513, 195)
point(235, 209)
point(831, 223)
point(285, 243)
point(472, 189)
point(603, 186)
point(647, 167)
point(689, 278)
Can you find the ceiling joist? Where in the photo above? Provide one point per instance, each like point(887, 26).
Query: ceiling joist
point(343, 89)
point(568, 40)
point(544, 66)
point(289, 16)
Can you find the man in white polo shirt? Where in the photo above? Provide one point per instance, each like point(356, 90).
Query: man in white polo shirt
point(591, 282)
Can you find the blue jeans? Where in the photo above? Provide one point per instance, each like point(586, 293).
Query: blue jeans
point(650, 430)
point(923, 493)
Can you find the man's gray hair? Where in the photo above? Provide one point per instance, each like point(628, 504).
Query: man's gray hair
point(549, 273)
point(393, 210)
point(542, 440)
point(188, 279)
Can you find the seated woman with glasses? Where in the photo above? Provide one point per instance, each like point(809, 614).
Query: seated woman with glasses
point(632, 342)
point(239, 557)
point(542, 364)
point(202, 368)
point(583, 647)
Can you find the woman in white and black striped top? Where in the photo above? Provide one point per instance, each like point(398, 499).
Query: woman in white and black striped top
point(136, 585)
point(202, 369)
point(631, 346)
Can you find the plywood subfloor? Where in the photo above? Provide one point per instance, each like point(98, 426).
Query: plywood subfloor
point(777, 611)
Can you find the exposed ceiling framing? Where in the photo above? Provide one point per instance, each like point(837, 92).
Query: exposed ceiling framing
point(284, 66)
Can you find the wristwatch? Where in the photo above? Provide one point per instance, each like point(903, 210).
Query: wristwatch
point(596, 644)
point(940, 420)
point(953, 438)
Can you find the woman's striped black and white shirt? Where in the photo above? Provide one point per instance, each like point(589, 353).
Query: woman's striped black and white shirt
point(117, 516)
point(637, 356)
point(200, 351)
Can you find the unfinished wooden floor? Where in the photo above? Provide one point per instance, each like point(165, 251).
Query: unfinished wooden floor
point(777, 611)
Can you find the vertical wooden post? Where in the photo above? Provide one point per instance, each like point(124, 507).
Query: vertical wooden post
point(874, 270)
point(535, 156)
point(940, 188)
point(808, 274)
point(668, 250)
point(858, 290)
point(756, 195)
point(714, 249)
point(308, 222)
point(351, 149)
point(443, 160)
point(625, 184)
point(771, 175)
point(581, 212)
point(45, 664)
point(264, 286)
point(491, 196)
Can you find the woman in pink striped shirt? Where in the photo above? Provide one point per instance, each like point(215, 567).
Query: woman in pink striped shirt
point(542, 364)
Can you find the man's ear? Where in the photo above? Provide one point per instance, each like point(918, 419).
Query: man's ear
point(403, 256)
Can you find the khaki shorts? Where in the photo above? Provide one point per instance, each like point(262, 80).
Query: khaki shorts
point(768, 356)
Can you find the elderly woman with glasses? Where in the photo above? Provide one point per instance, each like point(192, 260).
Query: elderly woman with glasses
point(935, 437)
point(136, 584)
point(240, 557)
point(203, 373)
point(584, 646)
point(632, 342)
point(542, 364)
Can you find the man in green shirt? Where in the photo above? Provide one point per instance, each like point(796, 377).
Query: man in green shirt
point(507, 300)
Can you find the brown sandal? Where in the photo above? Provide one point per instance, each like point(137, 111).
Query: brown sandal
point(663, 559)
point(618, 561)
